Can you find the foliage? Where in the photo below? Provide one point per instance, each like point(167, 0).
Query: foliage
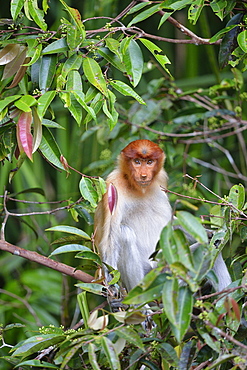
point(118, 83)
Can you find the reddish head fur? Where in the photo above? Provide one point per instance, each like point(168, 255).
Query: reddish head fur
point(140, 162)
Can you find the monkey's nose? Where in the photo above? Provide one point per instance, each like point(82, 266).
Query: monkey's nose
point(143, 177)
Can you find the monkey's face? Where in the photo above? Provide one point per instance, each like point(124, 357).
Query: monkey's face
point(143, 171)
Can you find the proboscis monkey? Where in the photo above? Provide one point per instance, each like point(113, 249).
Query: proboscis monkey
point(131, 215)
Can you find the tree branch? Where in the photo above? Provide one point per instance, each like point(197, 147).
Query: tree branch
point(45, 261)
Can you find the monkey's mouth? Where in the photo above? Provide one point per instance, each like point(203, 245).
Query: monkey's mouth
point(144, 182)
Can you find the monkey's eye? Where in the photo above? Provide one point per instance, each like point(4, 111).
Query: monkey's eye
point(150, 161)
point(136, 161)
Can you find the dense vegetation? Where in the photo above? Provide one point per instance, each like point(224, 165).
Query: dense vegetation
point(80, 80)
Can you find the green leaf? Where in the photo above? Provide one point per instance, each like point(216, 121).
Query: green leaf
point(126, 90)
point(94, 75)
point(130, 336)
point(145, 14)
point(36, 343)
point(185, 304)
point(237, 196)
point(195, 10)
point(168, 246)
point(44, 101)
point(6, 101)
point(50, 149)
point(58, 46)
point(133, 61)
point(242, 40)
point(92, 356)
point(110, 352)
point(47, 72)
point(170, 299)
point(25, 103)
point(37, 363)
point(37, 14)
point(89, 255)
point(88, 192)
point(91, 287)
point(79, 95)
point(70, 248)
point(229, 41)
point(192, 225)
point(113, 59)
point(76, 17)
point(15, 8)
point(169, 353)
point(157, 53)
point(70, 230)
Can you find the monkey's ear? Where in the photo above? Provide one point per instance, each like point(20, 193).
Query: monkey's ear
point(112, 198)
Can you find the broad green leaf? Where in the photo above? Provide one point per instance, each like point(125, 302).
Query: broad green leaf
point(37, 14)
point(76, 17)
point(25, 103)
point(70, 230)
point(6, 101)
point(157, 53)
point(192, 225)
point(229, 41)
point(242, 40)
point(38, 363)
point(113, 45)
point(47, 72)
point(168, 246)
point(195, 10)
point(92, 356)
point(15, 8)
point(164, 17)
point(185, 306)
point(110, 353)
point(35, 55)
point(52, 124)
point(126, 90)
point(12, 67)
point(94, 75)
point(138, 7)
point(182, 247)
point(218, 8)
point(170, 299)
point(133, 61)
point(72, 63)
point(89, 255)
point(88, 192)
point(79, 95)
point(50, 149)
point(74, 83)
point(70, 248)
point(8, 53)
point(145, 14)
point(131, 336)
point(113, 59)
point(24, 135)
point(169, 353)
point(91, 288)
point(110, 110)
point(58, 46)
point(237, 196)
point(96, 105)
point(74, 36)
point(36, 343)
point(44, 101)
point(221, 33)
point(83, 305)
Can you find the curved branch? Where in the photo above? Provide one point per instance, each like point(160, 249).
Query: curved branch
point(45, 261)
